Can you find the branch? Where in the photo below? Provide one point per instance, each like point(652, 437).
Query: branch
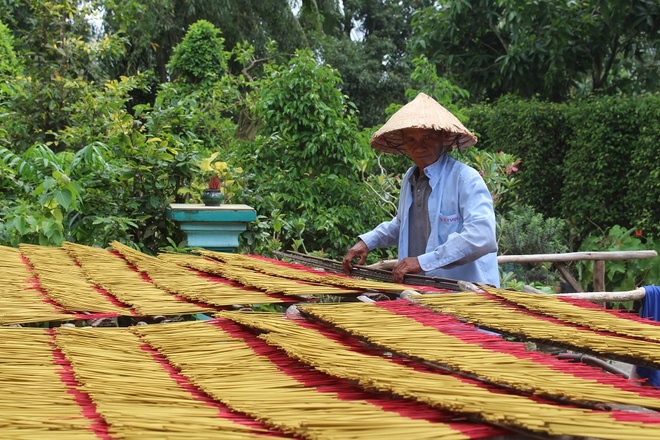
point(382, 171)
point(253, 61)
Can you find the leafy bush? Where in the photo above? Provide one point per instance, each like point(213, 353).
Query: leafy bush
point(524, 231)
point(112, 180)
point(598, 163)
point(9, 64)
point(643, 175)
point(499, 171)
point(591, 162)
point(620, 275)
point(536, 133)
point(302, 169)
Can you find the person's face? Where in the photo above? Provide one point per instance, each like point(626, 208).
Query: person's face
point(423, 145)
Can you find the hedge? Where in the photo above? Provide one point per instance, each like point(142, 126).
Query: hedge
point(592, 162)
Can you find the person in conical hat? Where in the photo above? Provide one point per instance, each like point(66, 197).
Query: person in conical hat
point(445, 224)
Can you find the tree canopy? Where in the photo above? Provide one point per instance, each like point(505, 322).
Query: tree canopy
point(547, 48)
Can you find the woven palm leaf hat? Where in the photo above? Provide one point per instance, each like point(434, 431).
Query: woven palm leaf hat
point(421, 112)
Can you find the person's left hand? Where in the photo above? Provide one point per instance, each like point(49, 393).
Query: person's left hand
point(407, 265)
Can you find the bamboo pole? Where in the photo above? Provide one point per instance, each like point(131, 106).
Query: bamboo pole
point(551, 258)
point(577, 256)
point(600, 297)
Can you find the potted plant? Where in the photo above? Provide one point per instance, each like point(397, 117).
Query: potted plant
point(212, 195)
point(221, 184)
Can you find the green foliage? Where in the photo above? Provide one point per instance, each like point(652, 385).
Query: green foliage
point(591, 162)
point(152, 28)
point(425, 78)
point(643, 174)
point(620, 275)
point(523, 231)
point(33, 110)
point(200, 56)
point(535, 132)
point(597, 165)
point(56, 38)
point(9, 64)
point(302, 170)
point(316, 126)
point(370, 53)
point(93, 196)
point(540, 47)
point(100, 178)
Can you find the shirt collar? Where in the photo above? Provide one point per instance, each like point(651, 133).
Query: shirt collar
point(434, 171)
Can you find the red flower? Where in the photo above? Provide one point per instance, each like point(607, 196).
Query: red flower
point(638, 232)
point(214, 183)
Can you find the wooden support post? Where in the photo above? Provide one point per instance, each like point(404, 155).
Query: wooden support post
point(599, 276)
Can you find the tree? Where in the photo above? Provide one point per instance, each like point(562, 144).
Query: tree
point(61, 63)
point(541, 47)
point(154, 27)
point(302, 169)
point(370, 54)
point(201, 55)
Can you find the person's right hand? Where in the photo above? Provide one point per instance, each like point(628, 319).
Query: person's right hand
point(359, 251)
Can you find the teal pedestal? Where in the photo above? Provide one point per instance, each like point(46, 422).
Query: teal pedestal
point(214, 228)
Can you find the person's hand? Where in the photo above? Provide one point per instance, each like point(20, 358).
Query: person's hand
point(359, 251)
point(407, 265)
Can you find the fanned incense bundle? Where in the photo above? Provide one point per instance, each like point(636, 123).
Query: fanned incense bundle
point(444, 391)
point(136, 396)
point(113, 274)
point(21, 301)
point(36, 403)
point(184, 282)
point(228, 369)
point(267, 283)
point(479, 309)
point(466, 352)
point(64, 281)
point(586, 316)
point(281, 270)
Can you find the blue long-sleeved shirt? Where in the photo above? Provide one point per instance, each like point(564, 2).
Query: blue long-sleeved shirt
point(462, 244)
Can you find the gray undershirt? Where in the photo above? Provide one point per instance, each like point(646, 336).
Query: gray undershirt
point(419, 224)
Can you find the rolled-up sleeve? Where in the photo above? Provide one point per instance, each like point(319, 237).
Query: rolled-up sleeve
point(384, 235)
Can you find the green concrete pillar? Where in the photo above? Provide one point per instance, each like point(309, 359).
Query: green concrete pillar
point(214, 228)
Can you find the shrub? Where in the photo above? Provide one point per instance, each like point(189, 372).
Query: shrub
point(524, 231)
point(535, 132)
point(620, 275)
point(598, 163)
point(303, 169)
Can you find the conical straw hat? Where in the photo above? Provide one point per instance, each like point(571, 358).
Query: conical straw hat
point(421, 112)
